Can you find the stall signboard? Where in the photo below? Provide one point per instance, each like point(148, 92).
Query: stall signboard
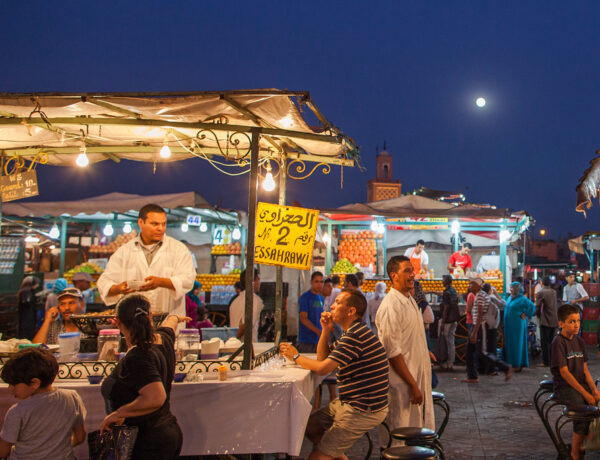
point(285, 235)
point(221, 235)
point(418, 223)
point(193, 220)
point(19, 185)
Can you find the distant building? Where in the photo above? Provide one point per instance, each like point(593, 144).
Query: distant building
point(383, 187)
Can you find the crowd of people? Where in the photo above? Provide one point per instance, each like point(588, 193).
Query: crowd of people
point(375, 353)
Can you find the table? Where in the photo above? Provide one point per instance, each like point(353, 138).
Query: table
point(251, 412)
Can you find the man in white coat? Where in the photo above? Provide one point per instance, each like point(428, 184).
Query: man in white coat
point(401, 331)
point(157, 265)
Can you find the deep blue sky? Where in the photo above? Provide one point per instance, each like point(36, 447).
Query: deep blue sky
point(404, 72)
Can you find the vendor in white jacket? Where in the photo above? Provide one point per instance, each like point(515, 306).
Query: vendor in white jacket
point(161, 265)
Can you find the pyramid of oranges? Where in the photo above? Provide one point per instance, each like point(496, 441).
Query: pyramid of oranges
point(359, 247)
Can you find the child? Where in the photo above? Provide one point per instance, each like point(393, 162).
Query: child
point(46, 422)
point(573, 383)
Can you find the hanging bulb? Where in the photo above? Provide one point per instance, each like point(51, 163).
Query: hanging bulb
point(236, 235)
point(127, 228)
point(165, 151)
point(184, 227)
point(455, 226)
point(108, 229)
point(82, 159)
point(203, 227)
point(268, 184)
point(374, 226)
point(54, 232)
point(326, 238)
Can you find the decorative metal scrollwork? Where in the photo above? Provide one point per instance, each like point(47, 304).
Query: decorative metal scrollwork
point(17, 163)
point(264, 357)
point(300, 167)
point(231, 143)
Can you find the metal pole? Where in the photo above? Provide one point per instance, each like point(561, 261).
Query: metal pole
point(503, 259)
point(524, 253)
point(384, 242)
point(279, 269)
point(328, 249)
point(63, 246)
point(249, 281)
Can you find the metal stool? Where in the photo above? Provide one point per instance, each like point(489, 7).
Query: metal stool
point(578, 413)
point(439, 399)
point(544, 401)
point(409, 453)
point(423, 437)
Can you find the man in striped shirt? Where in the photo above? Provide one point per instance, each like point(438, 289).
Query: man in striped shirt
point(362, 375)
point(475, 347)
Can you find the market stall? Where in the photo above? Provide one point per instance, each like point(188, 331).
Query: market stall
point(252, 131)
point(366, 235)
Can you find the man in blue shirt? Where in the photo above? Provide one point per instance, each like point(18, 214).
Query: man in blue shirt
point(310, 307)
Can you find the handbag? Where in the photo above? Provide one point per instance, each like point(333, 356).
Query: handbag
point(592, 441)
point(116, 444)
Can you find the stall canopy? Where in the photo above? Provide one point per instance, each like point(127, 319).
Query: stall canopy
point(588, 186)
point(134, 126)
point(122, 206)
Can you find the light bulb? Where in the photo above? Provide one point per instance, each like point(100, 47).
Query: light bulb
point(374, 226)
point(326, 238)
point(82, 160)
point(455, 226)
point(54, 232)
point(203, 227)
point(165, 151)
point(236, 235)
point(52, 247)
point(32, 239)
point(269, 184)
point(108, 229)
point(381, 229)
point(504, 235)
point(127, 228)
point(184, 227)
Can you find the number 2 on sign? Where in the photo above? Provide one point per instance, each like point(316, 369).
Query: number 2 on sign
point(286, 231)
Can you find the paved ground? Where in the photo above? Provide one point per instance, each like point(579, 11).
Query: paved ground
point(492, 419)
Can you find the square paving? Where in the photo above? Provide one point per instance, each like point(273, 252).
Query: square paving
point(492, 419)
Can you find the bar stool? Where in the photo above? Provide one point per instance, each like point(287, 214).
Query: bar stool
point(409, 453)
point(439, 399)
point(576, 413)
point(422, 437)
point(546, 386)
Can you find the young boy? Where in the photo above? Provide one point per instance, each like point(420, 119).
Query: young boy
point(46, 423)
point(573, 383)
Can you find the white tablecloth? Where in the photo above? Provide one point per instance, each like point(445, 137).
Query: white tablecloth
point(256, 412)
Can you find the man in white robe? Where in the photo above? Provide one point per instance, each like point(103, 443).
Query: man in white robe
point(161, 266)
point(401, 331)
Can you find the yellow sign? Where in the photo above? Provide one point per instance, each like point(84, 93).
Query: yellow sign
point(285, 235)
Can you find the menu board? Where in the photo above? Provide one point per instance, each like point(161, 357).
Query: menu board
point(19, 185)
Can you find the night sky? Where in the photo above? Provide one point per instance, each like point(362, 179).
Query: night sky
point(407, 73)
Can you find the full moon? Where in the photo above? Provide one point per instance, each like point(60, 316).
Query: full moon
point(480, 101)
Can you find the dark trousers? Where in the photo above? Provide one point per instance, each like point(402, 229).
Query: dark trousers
point(475, 355)
point(162, 441)
point(547, 335)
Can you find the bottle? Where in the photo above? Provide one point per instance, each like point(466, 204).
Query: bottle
point(222, 373)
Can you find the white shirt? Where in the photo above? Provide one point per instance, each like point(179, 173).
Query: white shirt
point(330, 299)
point(401, 331)
point(410, 252)
point(237, 312)
point(576, 288)
point(172, 260)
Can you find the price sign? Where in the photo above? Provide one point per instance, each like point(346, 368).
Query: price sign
point(194, 221)
point(19, 185)
point(285, 235)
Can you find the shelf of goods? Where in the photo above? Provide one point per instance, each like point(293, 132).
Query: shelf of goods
point(359, 247)
point(88, 267)
point(111, 247)
point(461, 285)
point(210, 280)
point(227, 249)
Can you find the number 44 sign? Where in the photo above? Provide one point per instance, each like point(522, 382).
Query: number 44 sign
point(285, 235)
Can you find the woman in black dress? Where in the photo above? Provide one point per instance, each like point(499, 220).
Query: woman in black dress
point(138, 390)
point(27, 306)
